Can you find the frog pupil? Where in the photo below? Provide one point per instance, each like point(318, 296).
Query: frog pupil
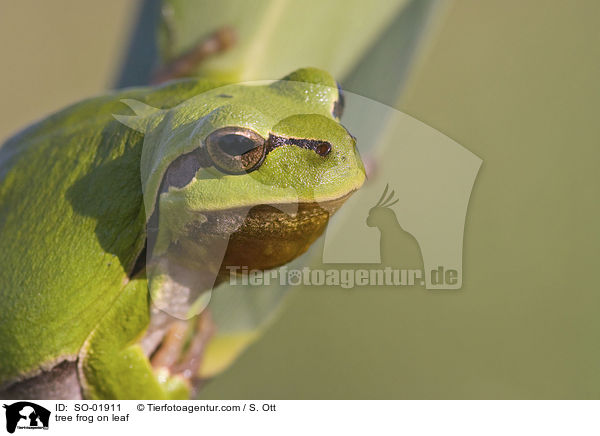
point(236, 145)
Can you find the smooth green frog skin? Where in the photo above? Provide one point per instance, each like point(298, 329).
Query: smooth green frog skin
point(78, 189)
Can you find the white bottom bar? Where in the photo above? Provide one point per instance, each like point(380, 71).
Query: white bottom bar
point(308, 417)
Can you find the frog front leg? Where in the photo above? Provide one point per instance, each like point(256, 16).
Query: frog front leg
point(186, 63)
point(181, 350)
point(112, 363)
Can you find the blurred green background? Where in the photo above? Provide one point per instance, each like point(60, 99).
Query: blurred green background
point(514, 82)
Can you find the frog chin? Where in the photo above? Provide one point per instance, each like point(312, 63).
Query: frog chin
point(270, 237)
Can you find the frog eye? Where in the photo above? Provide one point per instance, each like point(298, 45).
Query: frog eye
point(236, 150)
point(338, 106)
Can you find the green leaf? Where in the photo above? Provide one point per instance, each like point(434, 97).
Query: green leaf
point(277, 36)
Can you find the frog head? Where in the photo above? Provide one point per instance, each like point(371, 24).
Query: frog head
point(244, 175)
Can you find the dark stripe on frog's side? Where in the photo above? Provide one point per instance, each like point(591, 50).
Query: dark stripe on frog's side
point(183, 169)
point(58, 383)
point(320, 147)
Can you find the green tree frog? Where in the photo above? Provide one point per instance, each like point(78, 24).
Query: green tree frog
point(115, 225)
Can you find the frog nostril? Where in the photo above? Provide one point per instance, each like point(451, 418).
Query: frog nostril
point(323, 149)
